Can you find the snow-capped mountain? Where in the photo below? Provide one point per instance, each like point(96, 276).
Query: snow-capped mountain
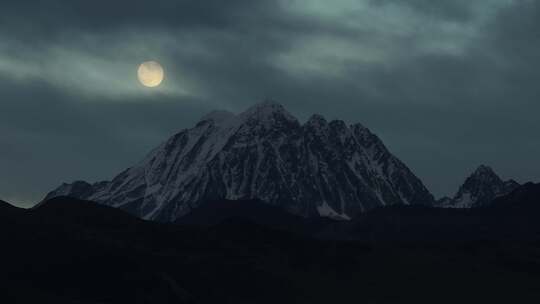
point(479, 189)
point(318, 168)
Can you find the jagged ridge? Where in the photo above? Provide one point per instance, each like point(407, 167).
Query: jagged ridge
point(319, 168)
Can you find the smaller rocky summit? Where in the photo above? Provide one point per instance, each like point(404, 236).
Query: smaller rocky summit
point(479, 189)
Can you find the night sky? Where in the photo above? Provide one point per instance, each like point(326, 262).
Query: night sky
point(448, 85)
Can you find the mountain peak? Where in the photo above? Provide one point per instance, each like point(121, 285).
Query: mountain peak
point(483, 170)
point(338, 124)
point(481, 187)
point(486, 175)
point(265, 154)
point(357, 126)
point(267, 112)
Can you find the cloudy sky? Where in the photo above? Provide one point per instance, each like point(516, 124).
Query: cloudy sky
point(448, 84)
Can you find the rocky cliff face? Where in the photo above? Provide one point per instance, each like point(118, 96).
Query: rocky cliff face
point(318, 168)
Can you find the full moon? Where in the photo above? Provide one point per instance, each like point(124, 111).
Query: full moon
point(150, 74)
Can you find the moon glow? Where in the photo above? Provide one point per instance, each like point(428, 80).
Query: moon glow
point(150, 74)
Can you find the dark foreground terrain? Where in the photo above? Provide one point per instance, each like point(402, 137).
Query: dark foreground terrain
point(69, 251)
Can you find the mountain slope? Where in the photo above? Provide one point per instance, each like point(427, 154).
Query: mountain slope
point(524, 199)
point(318, 168)
point(479, 189)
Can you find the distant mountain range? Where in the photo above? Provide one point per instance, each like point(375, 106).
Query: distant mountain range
point(315, 169)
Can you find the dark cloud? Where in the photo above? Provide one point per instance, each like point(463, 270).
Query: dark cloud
point(447, 84)
point(64, 15)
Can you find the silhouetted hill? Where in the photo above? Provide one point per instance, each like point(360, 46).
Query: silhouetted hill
point(6, 207)
point(254, 211)
point(510, 217)
point(72, 251)
point(525, 200)
point(67, 210)
point(9, 214)
point(215, 212)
